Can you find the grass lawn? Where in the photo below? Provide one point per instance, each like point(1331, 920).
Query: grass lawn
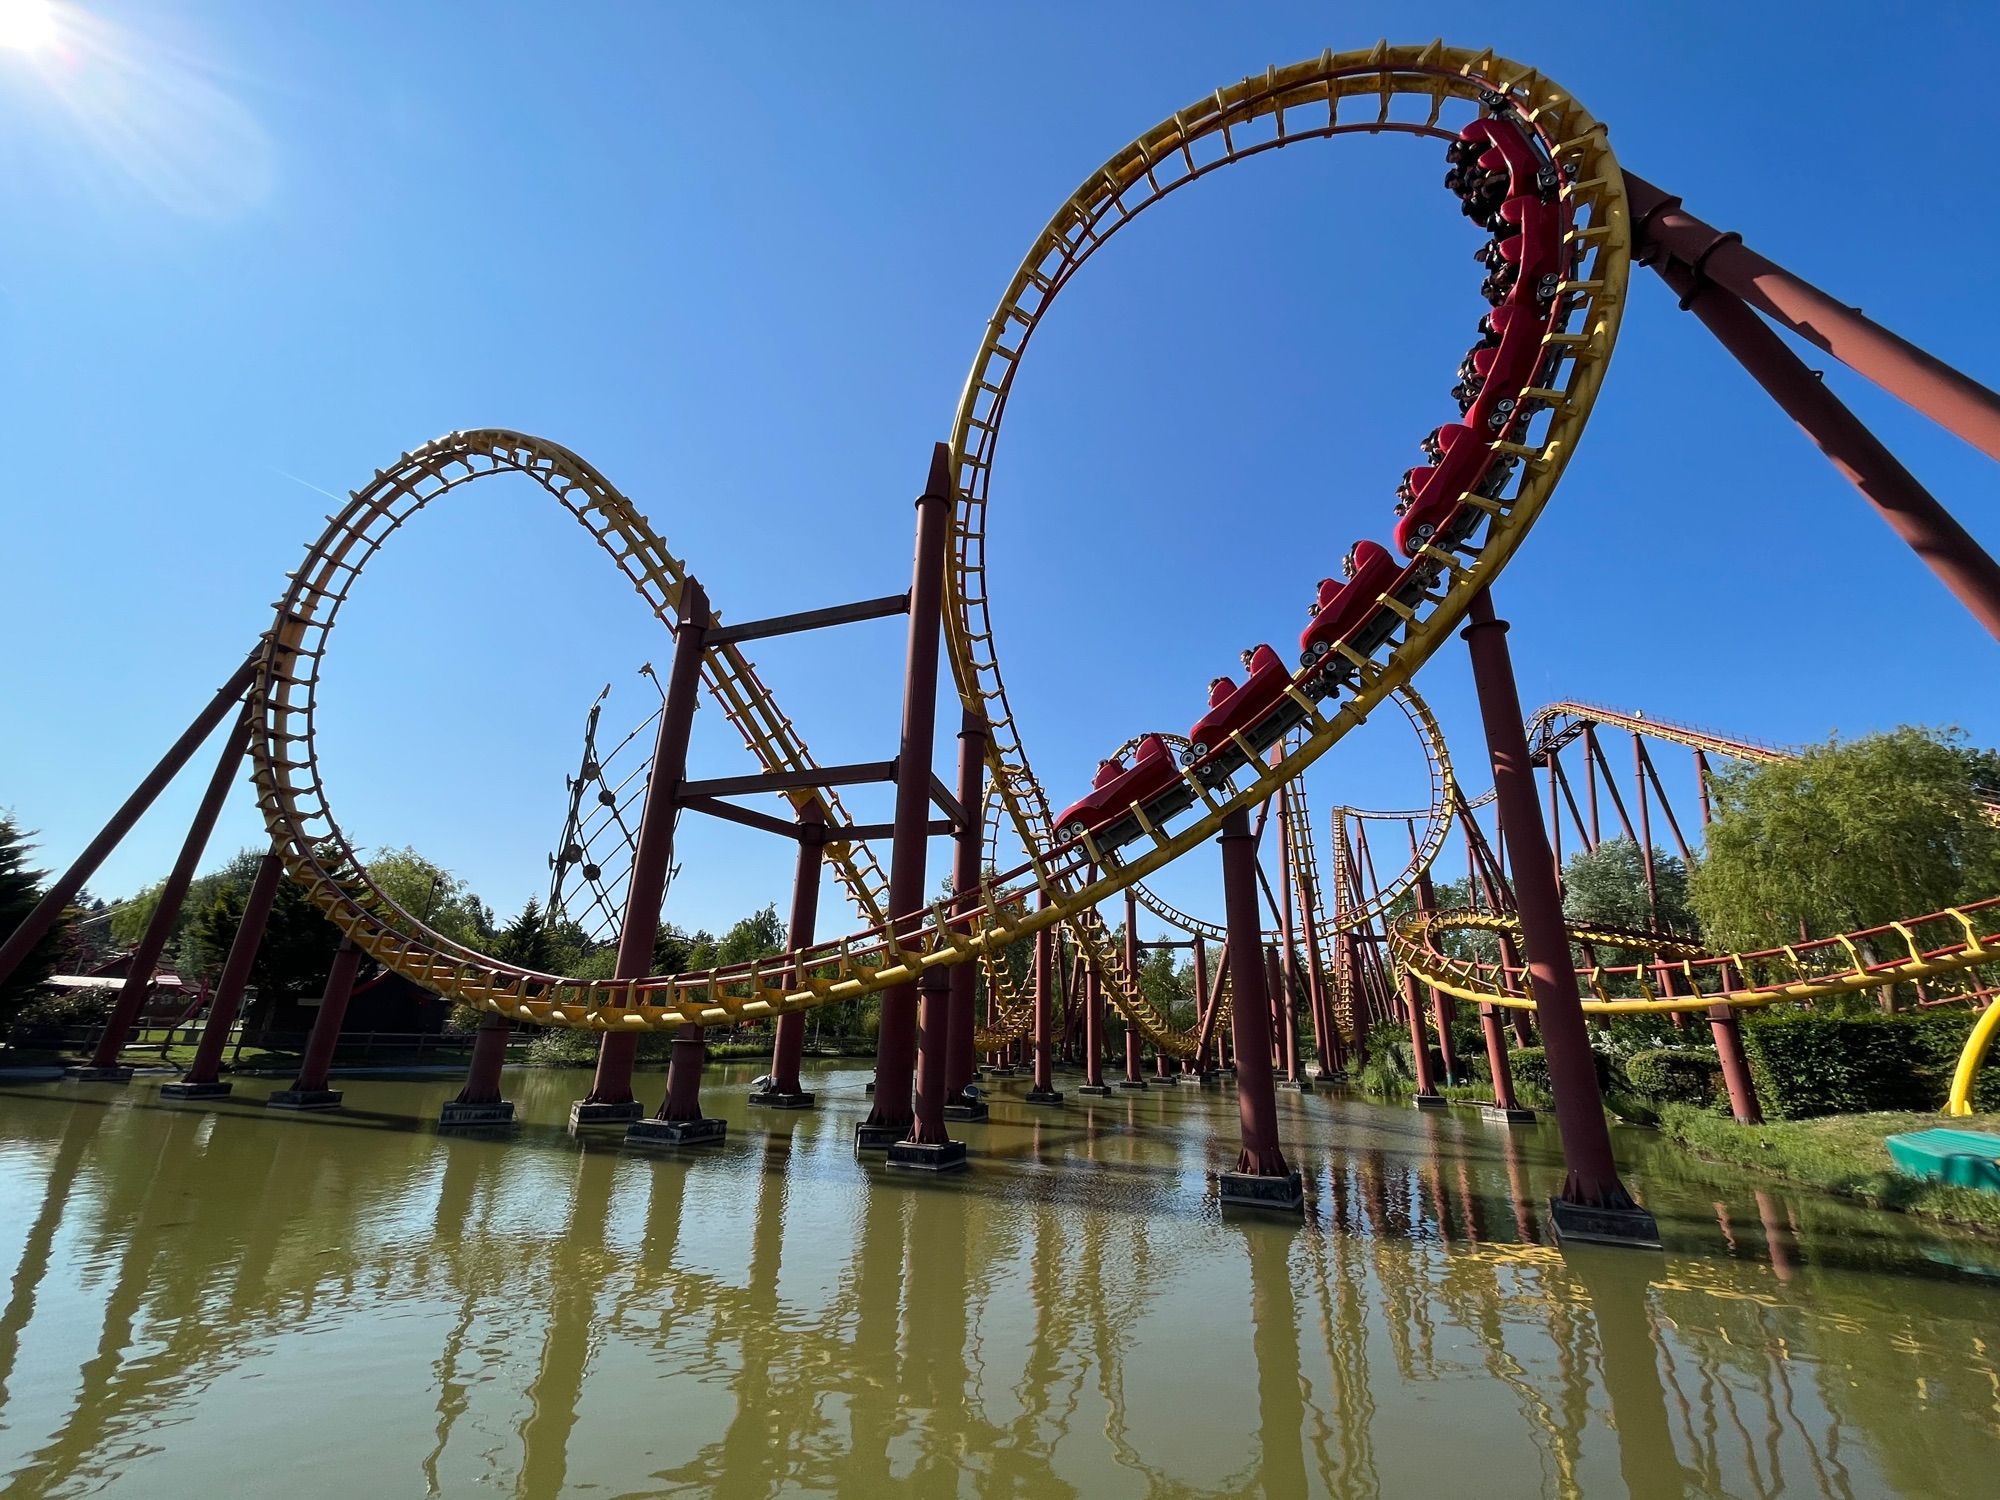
point(1840, 1154)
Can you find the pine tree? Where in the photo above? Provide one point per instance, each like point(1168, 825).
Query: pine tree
point(20, 890)
point(526, 940)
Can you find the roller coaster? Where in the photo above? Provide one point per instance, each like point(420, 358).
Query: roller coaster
point(1563, 224)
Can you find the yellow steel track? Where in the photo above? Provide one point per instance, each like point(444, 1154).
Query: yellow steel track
point(1423, 91)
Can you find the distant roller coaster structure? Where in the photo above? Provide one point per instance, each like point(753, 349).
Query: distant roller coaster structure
point(1528, 165)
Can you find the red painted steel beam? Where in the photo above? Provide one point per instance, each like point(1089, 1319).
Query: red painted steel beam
point(1913, 513)
point(967, 851)
point(1586, 1140)
point(1256, 1097)
point(59, 895)
point(788, 1044)
point(1952, 399)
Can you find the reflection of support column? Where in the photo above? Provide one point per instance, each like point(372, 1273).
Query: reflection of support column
point(1593, 1204)
point(79, 1127)
point(1631, 1376)
point(1777, 1236)
point(893, 1115)
point(755, 1453)
point(786, 1092)
point(1043, 1090)
point(309, 1090)
point(610, 1100)
point(1274, 1342)
point(1263, 1178)
point(555, 1395)
point(56, 899)
point(204, 1075)
point(967, 852)
point(1736, 1078)
point(145, 958)
point(1132, 1078)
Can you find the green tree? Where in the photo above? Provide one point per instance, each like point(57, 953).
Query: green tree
point(1608, 884)
point(20, 890)
point(526, 941)
point(431, 894)
point(758, 935)
point(1846, 836)
point(295, 952)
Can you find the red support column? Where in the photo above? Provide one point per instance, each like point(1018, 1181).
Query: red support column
point(1043, 1089)
point(1722, 1025)
point(968, 850)
point(784, 1090)
point(479, 1101)
point(56, 899)
point(1444, 1008)
point(1593, 1203)
point(1913, 513)
point(1204, 1009)
point(1093, 1026)
point(908, 1112)
point(1505, 1105)
point(1955, 401)
point(1701, 781)
point(104, 1065)
point(1133, 1078)
point(610, 1100)
point(1420, 1050)
point(1288, 893)
point(1263, 1178)
point(204, 1076)
point(309, 1090)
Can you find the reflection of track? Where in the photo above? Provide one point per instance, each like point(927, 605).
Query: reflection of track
point(1387, 90)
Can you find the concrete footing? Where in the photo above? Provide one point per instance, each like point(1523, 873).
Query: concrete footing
point(1003, 1071)
point(1133, 1083)
point(98, 1075)
point(1190, 1080)
point(652, 1133)
point(1430, 1101)
point(917, 1156)
point(304, 1099)
point(972, 1109)
point(1301, 1085)
point(878, 1137)
point(1042, 1096)
point(1493, 1114)
point(1094, 1090)
point(217, 1090)
point(773, 1099)
point(457, 1116)
point(1632, 1226)
point(584, 1113)
point(1284, 1195)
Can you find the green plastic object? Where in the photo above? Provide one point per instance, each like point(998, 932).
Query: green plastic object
point(1961, 1158)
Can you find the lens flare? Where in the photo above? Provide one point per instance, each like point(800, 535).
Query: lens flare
point(27, 25)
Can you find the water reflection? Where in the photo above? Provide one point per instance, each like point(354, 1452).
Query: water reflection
point(196, 1293)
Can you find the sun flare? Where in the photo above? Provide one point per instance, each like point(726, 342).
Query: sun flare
point(27, 25)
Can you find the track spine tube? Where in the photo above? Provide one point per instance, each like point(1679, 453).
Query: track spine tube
point(1592, 1179)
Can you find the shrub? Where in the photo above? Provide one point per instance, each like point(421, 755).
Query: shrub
point(1530, 1068)
point(1812, 1063)
point(52, 1012)
point(1675, 1075)
point(563, 1048)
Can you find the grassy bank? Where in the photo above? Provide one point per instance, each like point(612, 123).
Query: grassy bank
point(1838, 1154)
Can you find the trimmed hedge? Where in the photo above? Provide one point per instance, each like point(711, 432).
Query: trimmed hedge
point(1530, 1068)
point(1806, 1063)
point(1675, 1075)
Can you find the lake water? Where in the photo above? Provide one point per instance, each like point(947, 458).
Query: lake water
point(219, 1301)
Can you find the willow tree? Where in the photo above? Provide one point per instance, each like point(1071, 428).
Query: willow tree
point(1847, 836)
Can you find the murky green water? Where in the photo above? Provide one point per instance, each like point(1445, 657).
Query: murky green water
point(222, 1301)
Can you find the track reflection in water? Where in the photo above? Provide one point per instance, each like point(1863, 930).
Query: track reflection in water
point(222, 1302)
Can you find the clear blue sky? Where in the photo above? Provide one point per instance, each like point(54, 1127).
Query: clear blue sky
point(741, 258)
